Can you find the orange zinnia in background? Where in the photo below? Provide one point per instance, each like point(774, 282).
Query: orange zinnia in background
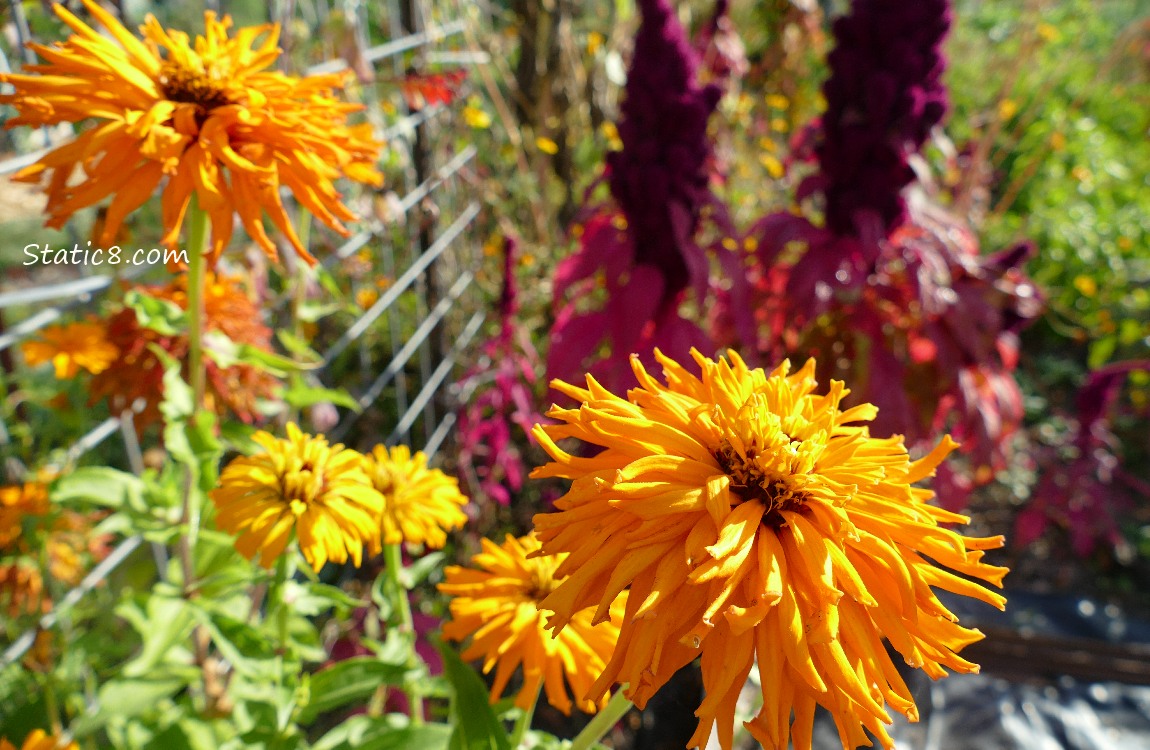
point(139, 373)
point(208, 116)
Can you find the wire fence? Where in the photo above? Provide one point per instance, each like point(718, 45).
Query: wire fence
point(426, 318)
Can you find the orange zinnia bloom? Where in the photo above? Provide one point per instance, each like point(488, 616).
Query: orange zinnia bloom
point(206, 115)
point(139, 373)
point(497, 605)
point(39, 740)
point(751, 520)
point(17, 502)
point(71, 348)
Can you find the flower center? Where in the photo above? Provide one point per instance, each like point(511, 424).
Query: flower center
point(753, 478)
point(302, 486)
point(207, 88)
point(541, 584)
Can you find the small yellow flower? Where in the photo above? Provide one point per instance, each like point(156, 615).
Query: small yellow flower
point(1048, 32)
point(476, 118)
point(1086, 286)
point(40, 740)
point(203, 117)
point(772, 164)
point(302, 485)
point(611, 133)
point(594, 43)
point(778, 101)
point(1007, 108)
point(71, 348)
point(498, 607)
point(17, 502)
point(420, 504)
point(546, 145)
point(366, 297)
point(753, 521)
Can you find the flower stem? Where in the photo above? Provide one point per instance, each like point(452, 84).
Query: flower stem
point(393, 559)
point(602, 722)
point(197, 269)
point(524, 722)
point(276, 592)
point(51, 705)
point(190, 512)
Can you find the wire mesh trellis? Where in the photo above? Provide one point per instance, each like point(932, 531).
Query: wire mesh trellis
point(432, 263)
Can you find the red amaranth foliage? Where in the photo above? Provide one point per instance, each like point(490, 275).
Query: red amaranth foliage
point(1083, 486)
point(502, 399)
point(638, 256)
point(893, 294)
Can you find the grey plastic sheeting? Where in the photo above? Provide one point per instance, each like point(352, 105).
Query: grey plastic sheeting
point(985, 712)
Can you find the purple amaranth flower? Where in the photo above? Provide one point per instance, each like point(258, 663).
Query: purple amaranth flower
point(647, 258)
point(884, 95)
point(659, 178)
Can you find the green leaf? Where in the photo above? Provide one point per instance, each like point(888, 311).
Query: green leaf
point(310, 312)
point(312, 598)
point(238, 436)
point(1101, 350)
point(420, 569)
point(166, 622)
point(248, 650)
point(347, 681)
point(189, 433)
point(228, 353)
point(301, 395)
point(162, 316)
point(296, 345)
point(476, 725)
point(382, 733)
point(138, 695)
point(99, 485)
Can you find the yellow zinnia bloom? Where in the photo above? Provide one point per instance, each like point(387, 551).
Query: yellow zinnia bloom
point(39, 740)
point(190, 112)
point(420, 504)
point(498, 606)
point(753, 520)
point(304, 485)
point(71, 348)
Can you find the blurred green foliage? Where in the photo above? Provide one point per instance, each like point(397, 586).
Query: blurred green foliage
point(1070, 167)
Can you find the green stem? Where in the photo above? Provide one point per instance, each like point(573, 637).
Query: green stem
point(196, 248)
point(524, 722)
point(197, 270)
point(283, 572)
point(393, 559)
point(602, 722)
point(51, 705)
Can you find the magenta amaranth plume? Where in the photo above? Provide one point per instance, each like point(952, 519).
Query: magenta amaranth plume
point(659, 178)
point(883, 96)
